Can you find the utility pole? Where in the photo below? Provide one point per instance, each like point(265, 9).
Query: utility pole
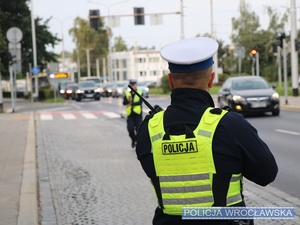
point(294, 52)
point(36, 94)
point(279, 66)
point(213, 35)
point(1, 96)
point(88, 61)
point(284, 69)
point(181, 20)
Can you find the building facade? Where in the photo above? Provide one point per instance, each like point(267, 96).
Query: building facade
point(143, 65)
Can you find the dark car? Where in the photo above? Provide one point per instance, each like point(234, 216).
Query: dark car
point(87, 90)
point(107, 89)
point(69, 90)
point(62, 86)
point(119, 89)
point(249, 94)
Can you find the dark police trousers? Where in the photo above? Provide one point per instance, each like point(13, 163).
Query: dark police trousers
point(133, 122)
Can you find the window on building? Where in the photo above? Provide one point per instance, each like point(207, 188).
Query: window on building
point(153, 72)
point(154, 60)
point(124, 63)
point(125, 75)
point(141, 60)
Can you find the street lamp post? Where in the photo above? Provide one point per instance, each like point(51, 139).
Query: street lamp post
point(34, 50)
point(62, 42)
point(213, 35)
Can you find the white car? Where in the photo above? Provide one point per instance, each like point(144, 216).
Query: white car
point(143, 86)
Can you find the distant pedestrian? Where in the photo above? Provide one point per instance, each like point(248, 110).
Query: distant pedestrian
point(134, 113)
point(196, 155)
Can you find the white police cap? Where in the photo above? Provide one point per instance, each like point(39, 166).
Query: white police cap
point(190, 54)
point(132, 81)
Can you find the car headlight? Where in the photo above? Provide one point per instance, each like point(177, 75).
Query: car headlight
point(79, 91)
point(69, 91)
point(238, 98)
point(97, 90)
point(146, 89)
point(275, 96)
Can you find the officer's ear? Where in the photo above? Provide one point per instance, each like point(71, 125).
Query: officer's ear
point(171, 83)
point(211, 79)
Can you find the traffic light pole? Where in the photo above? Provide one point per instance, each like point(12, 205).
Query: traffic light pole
point(294, 52)
point(257, 63)
point(285, 71)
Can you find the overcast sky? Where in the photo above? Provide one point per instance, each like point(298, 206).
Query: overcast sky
point(197, 18)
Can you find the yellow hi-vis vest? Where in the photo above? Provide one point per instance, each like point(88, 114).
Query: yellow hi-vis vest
point(185, 166)
point(137, 108)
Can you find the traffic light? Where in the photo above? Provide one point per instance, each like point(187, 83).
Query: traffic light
point(253, 52)
point(94, 17)
point(280, 39)
point(139, 18)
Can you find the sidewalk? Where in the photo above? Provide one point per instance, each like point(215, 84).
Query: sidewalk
point(18, 189)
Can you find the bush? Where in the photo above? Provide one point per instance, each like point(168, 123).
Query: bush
point(165, 84)
point(45, 93)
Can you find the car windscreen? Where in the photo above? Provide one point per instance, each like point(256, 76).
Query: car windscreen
point(121, 84)
point(86, 84)
point(250, 85)
point(94, 79)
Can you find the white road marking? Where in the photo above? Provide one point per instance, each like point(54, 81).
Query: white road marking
point(89, 116)
point(46, 117)
point(288, 132)
point(68, 116)
point(54, 109)
point(76, 106)
point(112, 115)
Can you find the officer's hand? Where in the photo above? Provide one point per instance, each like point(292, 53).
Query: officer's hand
point(158, 108)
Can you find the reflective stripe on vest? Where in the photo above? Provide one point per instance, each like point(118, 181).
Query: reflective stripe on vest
point(137, 108)
point(185, 166)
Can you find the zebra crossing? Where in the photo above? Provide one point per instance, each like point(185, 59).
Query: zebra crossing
point(48, 116)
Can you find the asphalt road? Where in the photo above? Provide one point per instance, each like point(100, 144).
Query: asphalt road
point(280, 133)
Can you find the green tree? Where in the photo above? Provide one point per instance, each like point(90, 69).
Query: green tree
point(119, 45)
point(247, 33)
point(87, 38)
point(221, 49)
point(15, 13)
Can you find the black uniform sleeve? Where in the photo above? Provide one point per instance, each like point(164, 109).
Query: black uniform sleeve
point(125, 100)
point(258, 163)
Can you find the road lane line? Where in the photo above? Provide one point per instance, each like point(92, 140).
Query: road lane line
point(111, 115)
point(89, 116)
point(68, 116)
point(46, 117)
point(288, 132)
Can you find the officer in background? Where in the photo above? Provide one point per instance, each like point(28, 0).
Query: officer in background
point(133, 111)
point(196, 154)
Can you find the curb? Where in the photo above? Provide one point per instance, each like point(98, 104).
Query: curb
point(28, 208)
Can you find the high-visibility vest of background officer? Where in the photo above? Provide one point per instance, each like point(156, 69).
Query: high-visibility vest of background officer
point(135, 105)
point(185, 165)
point(133, 111)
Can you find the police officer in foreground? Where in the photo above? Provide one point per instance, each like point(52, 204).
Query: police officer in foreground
point(196, 154)
point(134, 113)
